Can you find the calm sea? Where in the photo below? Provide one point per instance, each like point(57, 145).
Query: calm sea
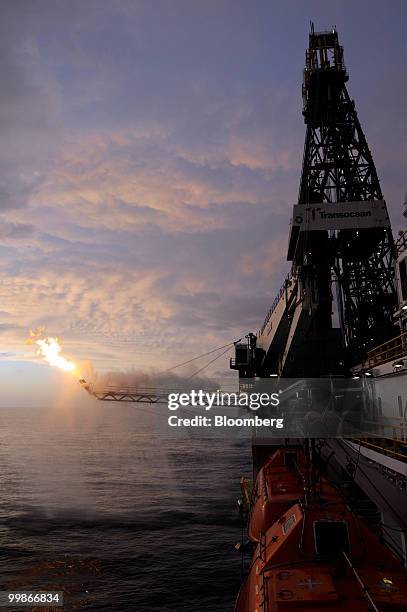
point(96, 504)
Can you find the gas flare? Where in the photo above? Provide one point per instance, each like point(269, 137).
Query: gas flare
point(51, 350)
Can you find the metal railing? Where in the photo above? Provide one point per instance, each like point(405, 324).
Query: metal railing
point(395, 447)
point(290, 277)
point(388, 351)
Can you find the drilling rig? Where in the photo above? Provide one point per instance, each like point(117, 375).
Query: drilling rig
point(342, 310)
point(341, 314)
point(340, 242)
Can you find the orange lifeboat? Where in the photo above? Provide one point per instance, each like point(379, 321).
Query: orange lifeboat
point(317, 556)
point(278, 486)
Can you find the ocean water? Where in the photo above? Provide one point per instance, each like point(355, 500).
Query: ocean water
point(96, 504)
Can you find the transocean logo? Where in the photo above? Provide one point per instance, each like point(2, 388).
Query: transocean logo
point(315, 213)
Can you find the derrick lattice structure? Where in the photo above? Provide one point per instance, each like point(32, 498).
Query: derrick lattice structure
point(338, 167)
point(339, 300)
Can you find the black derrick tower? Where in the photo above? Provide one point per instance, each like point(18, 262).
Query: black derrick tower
point(338, 167)
point(339, 300)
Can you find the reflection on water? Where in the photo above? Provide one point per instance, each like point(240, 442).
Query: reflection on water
point(96, 505)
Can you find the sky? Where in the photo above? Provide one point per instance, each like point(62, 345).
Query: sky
point(149, 160)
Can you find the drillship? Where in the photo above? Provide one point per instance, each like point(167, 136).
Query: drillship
point(327, 515)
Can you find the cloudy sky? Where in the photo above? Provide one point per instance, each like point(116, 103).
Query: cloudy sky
point(149, 158)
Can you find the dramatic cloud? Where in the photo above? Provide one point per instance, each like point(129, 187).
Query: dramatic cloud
point(150, 157)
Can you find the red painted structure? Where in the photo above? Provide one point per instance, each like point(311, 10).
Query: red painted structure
point(312, 552)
